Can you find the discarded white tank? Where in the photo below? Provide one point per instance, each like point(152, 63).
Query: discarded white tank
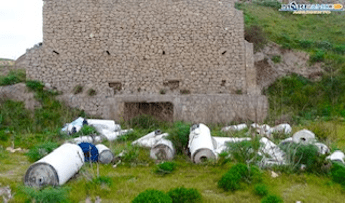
point(281, 128)
point(56, 168)
point(337, 156)
point(275, 153)
point(104, 124)
point(235, 127)
point(323, 149)
point(163, 149)
point(221, 143)
point(111, 136)
point(304, 137)
point(89, 139)
point(74, 126)
point(150, 139)
point(105, 156)
point(201, 144)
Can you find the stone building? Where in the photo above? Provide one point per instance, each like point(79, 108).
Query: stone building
point(175, 59)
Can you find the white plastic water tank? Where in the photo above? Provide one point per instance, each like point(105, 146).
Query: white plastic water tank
point(56, 168)
point(304, 137)
point(105, 156)
point(104, 124)
point(201, 144)
point(163, 149)
point(337, 156)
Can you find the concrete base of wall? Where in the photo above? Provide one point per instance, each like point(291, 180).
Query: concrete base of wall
point(211, 108)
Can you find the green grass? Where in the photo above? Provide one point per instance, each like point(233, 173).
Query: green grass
point(13, 77)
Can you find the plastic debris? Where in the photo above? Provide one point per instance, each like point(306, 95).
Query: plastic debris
point(337, 156)
point(90, 151)
point(221, 143)
point(201, 145)
point(276, 155)
point(56, 168)
point(104, 125)
point(286, 141)
point(281, 128)
point(75, 126)
point(111, 136)
point(304, 137)
point(235, 127)
point(90, 139)
point(323, 149)
point(163, 149)
point(105, 156)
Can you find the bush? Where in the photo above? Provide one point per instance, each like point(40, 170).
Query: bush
point(165, 168)
point(338, 173)
point(184, 91)
point(255, 35)
point(244, 151)
point(86, 130)
point(152, 196)
point(272, 199)
point(13, 77)
point(39, 151)
point(305, 43)
point(239, 173)
point(261, 189)
point(35, 85)
point(339, 49)
point(102, 180)
point(131, 154)
point(46, 195)
point(318, 56)
point(324, 45)
point(179, 136)
point(184, 195)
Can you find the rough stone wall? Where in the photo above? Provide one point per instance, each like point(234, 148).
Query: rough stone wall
point(141, 44)
point(212, 108)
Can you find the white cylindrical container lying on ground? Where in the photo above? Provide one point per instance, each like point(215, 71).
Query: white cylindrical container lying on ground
point(89, 139)
point(304, 137)
point(104, 124)
point(163, 149)
point(201, 145)
point(111, 136)
point(56, 168)
point(105, 156)
point(337, 156)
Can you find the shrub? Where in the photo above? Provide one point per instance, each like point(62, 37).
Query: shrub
point(34, 85)
point(318, 56)
point(86, 130)
point(13, 77)
point(184, 195)
point(261, 189)
point(131, 154)
point(238, 91)
point(272, 199)
point(39, 151)
point(276, 58)
point(162, 91)
point(305, 43)
point(91, 92)
point(338, 173)
point(237, 174)
point(165, 168)
point(4, 135)
point(244, 151)
point(152, 196)
point(324, 45)
point(77, 89)
point(340, 49)
point(179, 136)
point(102, 180)
point(46, 195)
point(255, 35)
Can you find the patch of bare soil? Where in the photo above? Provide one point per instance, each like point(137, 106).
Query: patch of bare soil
point(291, 61)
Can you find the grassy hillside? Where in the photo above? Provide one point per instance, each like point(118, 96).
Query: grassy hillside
point(322, 36)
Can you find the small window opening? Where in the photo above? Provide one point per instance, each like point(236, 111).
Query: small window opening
point(224, 52)
point(56, 52)
point(163, 52)
point(172, 84)
point(108, 53)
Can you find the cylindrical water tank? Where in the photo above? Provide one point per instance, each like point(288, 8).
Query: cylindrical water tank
point(105, 156)
point(56, 168)
point(201, 144)
point(163, 150)
point(304, 137)
point(337, 156)
point(90, 139)
point(104, 124)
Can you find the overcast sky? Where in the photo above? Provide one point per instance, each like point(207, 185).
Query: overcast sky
point(21, 26)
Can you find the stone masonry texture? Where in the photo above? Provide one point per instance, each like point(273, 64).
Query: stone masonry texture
point(143, 47)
